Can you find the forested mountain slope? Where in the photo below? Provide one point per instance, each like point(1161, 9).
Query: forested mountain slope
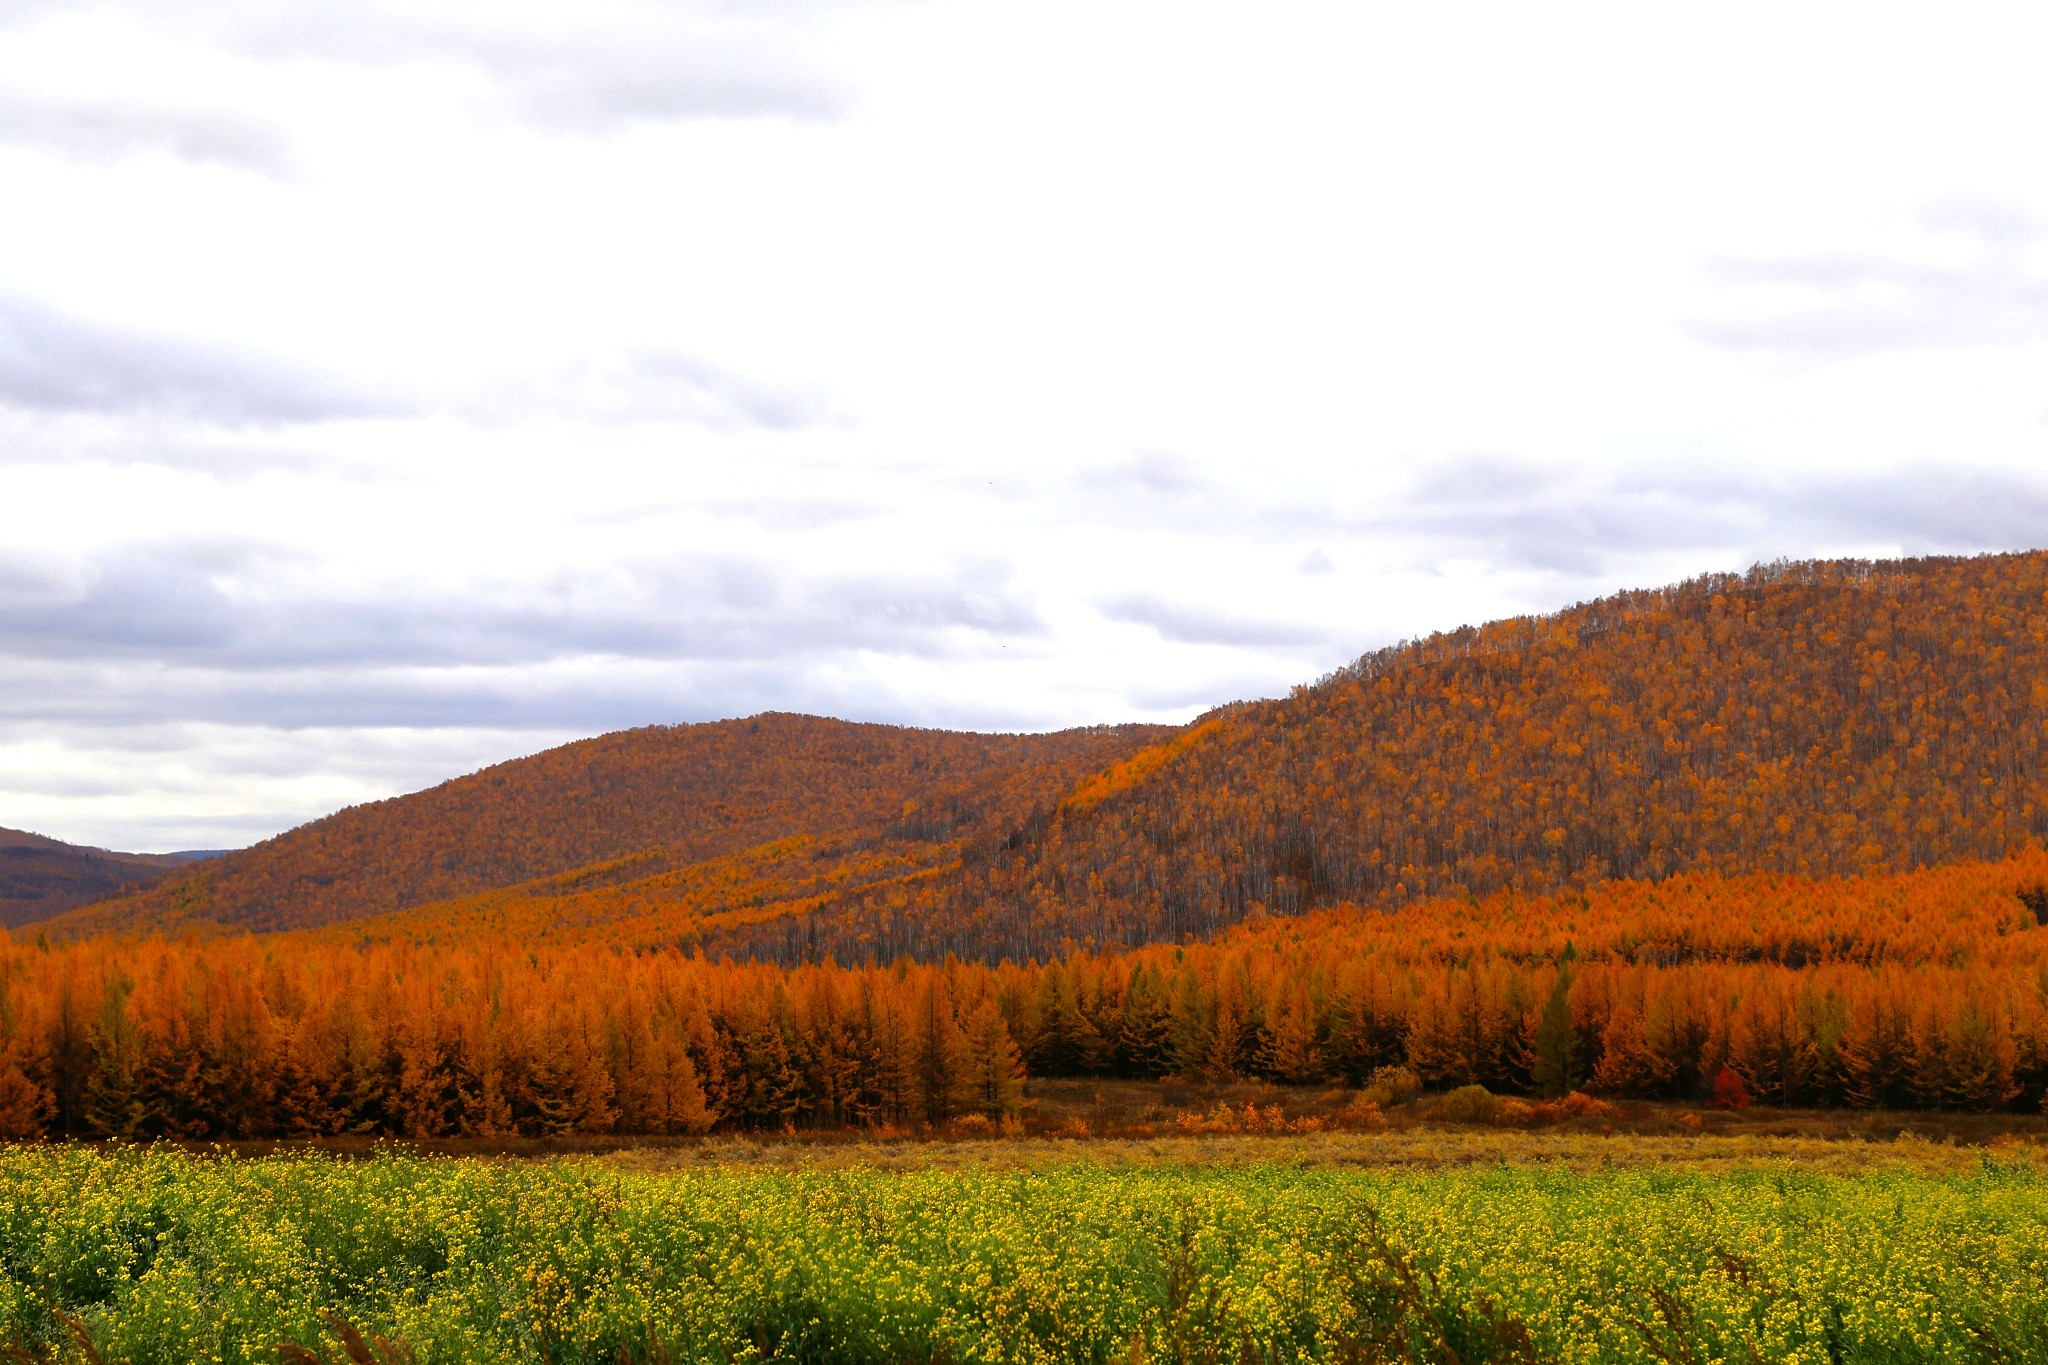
point(40, 877)
point(1813, 718)
point(1817, 719)
point(674, 794)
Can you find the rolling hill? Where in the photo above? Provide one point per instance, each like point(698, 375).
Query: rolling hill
point(41, 877)
point(1813, 719)
point(666, 795)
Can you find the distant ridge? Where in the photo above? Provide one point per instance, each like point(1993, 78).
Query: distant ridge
point(41, 877)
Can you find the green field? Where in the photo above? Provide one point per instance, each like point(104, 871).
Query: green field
point(1557, 1254)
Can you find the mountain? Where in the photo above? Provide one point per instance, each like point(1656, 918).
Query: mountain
point(667, 795)
point(41, 877)
point(1814, 719)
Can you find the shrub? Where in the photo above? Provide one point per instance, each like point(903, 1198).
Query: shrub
point(1729, 1091)
point(1513, 1113)
point(1361, 1116)
point(1468, 1104)
point(1392, 1086)
point(1580, 1105)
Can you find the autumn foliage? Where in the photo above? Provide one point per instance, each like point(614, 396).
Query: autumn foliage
point(664, 796)
point(1819, 719)
point(1922, 989)
point(1772, 838)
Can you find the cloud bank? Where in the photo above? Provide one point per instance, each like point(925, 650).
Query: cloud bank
point(389, 389)
point(51, 362)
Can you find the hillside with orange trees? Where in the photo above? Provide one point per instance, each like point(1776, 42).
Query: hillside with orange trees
point(1924, 989)
point(1811, 719)
point(667, 795)
point(1816, 719)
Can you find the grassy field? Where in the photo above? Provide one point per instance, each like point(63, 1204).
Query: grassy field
point(1483, 1246)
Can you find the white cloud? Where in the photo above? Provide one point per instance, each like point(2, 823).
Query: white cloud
point(101, 131)
point(1852, 306)
point(50, 362)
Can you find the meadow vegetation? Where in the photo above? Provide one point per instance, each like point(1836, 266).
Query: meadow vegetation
point(1547, 1249)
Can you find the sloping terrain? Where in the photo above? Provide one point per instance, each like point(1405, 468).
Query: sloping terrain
point(41, 877)
point(1818, 718)
point(1807, 718)
point(676, 794)
point(1813, 719)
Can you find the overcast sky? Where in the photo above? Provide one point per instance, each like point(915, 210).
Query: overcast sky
point(389, 390)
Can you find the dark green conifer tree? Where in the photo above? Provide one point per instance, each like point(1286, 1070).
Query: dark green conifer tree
point(1558, 1066)
point(113, 1103)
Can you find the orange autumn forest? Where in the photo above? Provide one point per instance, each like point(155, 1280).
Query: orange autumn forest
point(1781, 830)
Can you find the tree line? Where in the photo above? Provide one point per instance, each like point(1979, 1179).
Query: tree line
point(1924, 989)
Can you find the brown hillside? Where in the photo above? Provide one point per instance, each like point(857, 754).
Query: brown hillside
point(1814, 719)
point(41, 877)
point(680, 795)
point(1820, 719)
point(1817, 719)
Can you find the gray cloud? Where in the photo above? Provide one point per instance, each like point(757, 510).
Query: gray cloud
point(793, 512)
point(32, 438)
point(574, 73)
point(1581, 522)
point(1861, 306)
point(216, 606)
point(797, 513)
point(50, 362)
point(1195, 625)
point(106, 131)
point(1178, 694)
point(649, 64)
point(1922, 508)
point(103, 699)
point(648, 385)
point(1149, 474)
point(1995, 223)
point(1519, 513)
point(597, 83)
point(1153, 488)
